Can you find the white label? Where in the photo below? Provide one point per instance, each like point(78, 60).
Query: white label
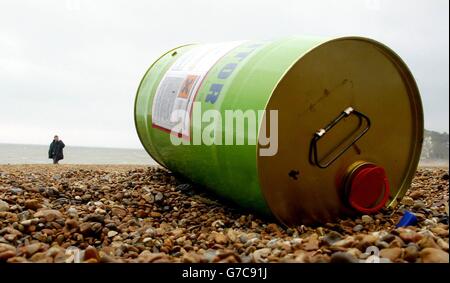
point(179, 86)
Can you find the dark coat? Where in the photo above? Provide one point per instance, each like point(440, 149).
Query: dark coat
point(56, 150)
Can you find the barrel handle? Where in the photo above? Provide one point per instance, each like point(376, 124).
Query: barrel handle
point(321, 132)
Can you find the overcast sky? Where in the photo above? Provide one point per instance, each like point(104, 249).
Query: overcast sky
point(72, 67)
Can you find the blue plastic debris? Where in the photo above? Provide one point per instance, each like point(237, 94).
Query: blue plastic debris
point(408, 219)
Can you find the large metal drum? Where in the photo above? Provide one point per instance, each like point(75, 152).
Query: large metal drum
point(343, 115)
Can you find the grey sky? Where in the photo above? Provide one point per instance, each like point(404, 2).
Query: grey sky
point(72, 67)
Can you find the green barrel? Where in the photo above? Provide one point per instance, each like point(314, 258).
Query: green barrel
point(347, 132)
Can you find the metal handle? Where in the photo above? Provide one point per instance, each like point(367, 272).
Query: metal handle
point(321, 132)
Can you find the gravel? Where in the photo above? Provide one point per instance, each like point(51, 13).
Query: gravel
point(88, 213)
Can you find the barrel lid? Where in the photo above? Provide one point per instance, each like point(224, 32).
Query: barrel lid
point(322, 101)
point(369, 189)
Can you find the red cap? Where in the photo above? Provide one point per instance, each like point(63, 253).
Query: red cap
point(369, 189)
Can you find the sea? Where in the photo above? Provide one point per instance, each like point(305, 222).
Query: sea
point(38, 154)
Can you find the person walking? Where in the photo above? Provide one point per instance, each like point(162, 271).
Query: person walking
point(55, 151)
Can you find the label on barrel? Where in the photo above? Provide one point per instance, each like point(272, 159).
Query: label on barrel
point(178, 88)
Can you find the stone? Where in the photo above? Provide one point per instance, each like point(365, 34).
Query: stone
point(251, 242)
point(389, 237)
point(391, 253)
point(259, 255)
point(396, 243)
point(10, 237)
point(443, 219)
point(272, 243)
point(428, 242)
point(366, 241)
point(60, 239)
point(191, 258)
point(442, 244)
point(85, 227)
point(243, 238)
point(358, 228)
point(418, 204)
point(354, 252)
point(407, 201)
point(411, 252)
point(332, 238)
point(16, 191)
point(439, 231)
point(9, 216)
point(51, 192)
point(111, 226)
point(382, 244)
point(155, 214)
point(217, 224)
point(10, 230)
point(86, 197)
point(108, 259)
point(72, 223)
point(271, 227)
point(62, 201)
point(343, 257)
point(6, 247)
point(100, 211)
point(49, 214)
point(409, 235)
point(184, 187)
point(4, 256)
point(4, 206)
point(96, 227)
point(31, 249)
point(296, 242)
point(366, 219)
point(219, 238)
point(159, 196)
point(149, 198)
point(312, 243)
point(416, 194)
point(147, 256)
point(432, 255)
point(118, 211)
point(26, 223)
point(317, 258)
point(346, 242)
point(112, 234)
point(17, 259)
point(91, 253)
point(32, 204)
point(54, 251)
point(40, 257)
point(94, 218)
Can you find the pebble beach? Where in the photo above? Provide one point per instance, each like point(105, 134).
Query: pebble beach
point(126, 213)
